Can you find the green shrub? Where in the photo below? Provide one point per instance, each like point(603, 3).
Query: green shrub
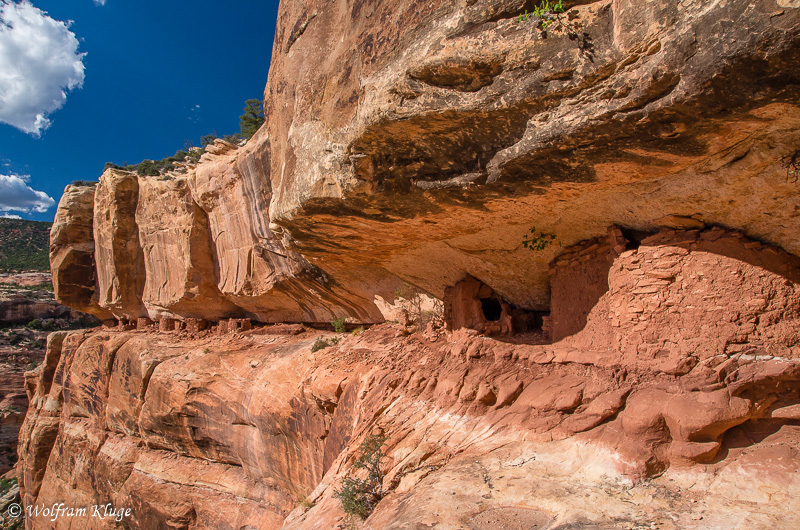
point(360, 496)
point(36, 323)
point(338, 325)
point(148, 168)
point(6, 484)
point(195, 154)
point(208, 139)
point(252, 118)
point(546, 12)
point(321, 343)
point(536, 241)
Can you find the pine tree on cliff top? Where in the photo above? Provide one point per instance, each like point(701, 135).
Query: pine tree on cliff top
point(253, 117)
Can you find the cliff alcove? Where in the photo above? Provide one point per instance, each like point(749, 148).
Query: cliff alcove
point(416, 144)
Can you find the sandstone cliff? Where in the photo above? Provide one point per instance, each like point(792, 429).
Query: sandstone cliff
point(424, 139)
point(687, 369)
point(425, 154)
point(635, 365)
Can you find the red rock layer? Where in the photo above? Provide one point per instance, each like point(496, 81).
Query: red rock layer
point(203, 431)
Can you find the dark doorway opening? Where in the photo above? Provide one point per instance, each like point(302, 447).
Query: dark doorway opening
point(492, 309)
point(634, 237)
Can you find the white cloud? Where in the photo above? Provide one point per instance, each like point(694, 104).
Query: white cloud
point(10, 216)
point(99, 2)
point(16, 195)
point(39, 63)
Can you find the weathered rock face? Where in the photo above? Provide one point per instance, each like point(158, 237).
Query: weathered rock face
point(425, 139)
point(425, 154)
point(198, 431)
point(179, 271)
point(72, 251)
point(120, 277)
point(255, 271)
point(642, 145)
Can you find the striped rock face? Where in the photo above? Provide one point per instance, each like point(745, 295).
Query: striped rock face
point(425, 155)
point(606, 209)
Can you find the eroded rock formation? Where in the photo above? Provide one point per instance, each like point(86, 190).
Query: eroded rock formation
point(418, 143)
point(72, 251)
point(702, 370)
point(426, 139)
point(426, 154)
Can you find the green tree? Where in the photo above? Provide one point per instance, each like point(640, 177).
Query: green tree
point(253, 117)
point(359, 496)
point(208, 139)
point(148, 168)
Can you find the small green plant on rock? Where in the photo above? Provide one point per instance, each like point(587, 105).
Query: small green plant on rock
point(338, 325)
point(6, 484)
point(536, 241)
point(359, 496)
point(321, 343)
point(546, 12)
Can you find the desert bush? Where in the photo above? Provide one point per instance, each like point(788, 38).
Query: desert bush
point(321, 343)
point(359, 496)
point(536, 241)
point(6, 484)
point(338, 325)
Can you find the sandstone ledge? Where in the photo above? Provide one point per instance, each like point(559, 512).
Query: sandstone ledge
point(208, 433)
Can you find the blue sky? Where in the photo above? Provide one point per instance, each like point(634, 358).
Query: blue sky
point(155, 74)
